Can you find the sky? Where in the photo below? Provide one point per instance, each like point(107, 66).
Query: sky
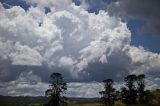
point(86, 41)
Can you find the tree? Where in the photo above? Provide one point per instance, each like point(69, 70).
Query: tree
point(57, 88)
point(124, 95)
point(117, 95)
point(108, 95)
point(130, 82)
point(140, 88)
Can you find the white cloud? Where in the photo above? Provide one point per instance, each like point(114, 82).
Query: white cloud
point(24, 55)
point(152, 83)
point(5, 48)
point(66, 62)
point(144, 61)
point(27, 84)
point(86, 37)
point(43, 3)
point(84, 89)
point(103, 59)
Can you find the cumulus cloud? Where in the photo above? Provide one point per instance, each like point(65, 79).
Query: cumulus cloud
point(48, 3)
point(82, 46)
point(88, 90)
point(153, 83)
point(144, 61)
point(76, 37)
point(66, 62)
point(23, 55)
point(26, 84)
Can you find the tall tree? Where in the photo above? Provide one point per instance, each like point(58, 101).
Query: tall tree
point(108, 95)
point(130, 82)
point(57, 88)
point(140, 88)
point(124, 95)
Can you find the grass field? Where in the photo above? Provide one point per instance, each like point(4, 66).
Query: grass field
point(85, 104)
point(73, 103)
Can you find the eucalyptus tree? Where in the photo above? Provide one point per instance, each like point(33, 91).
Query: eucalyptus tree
point(130, 82)
point(56, 90)
point(108, 95)
point(141, 87)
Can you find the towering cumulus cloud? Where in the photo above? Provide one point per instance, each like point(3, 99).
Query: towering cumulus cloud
point(82, 46)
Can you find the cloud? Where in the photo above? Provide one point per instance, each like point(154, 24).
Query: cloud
point(48, 3)
point(24, 55)
point(83, 46)
point(152, 83)
point(71, 37)
point(88, 90)
point(66, 62)
point(144, 61)
point(94, 5)
point(26, 84)
point(145, 10)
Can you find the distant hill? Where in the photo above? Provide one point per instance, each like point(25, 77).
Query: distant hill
point(41, 99)
point(23, 99)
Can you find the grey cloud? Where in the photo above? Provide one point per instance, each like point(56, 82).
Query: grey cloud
point(152, 83)
point(145, 10)
point(99, 72)
point(26, 84)
point(95, 5)
point(84, 89)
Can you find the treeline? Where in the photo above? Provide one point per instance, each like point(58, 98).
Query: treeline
point(132, 93)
